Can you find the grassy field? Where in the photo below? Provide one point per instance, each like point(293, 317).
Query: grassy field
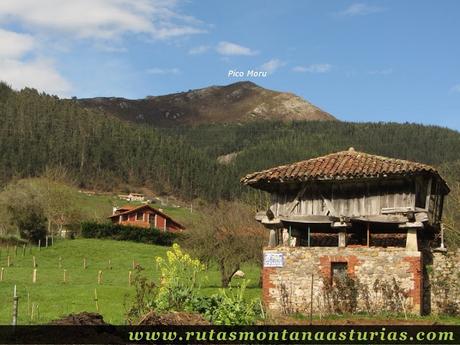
point(56, 298)
point(99, 207)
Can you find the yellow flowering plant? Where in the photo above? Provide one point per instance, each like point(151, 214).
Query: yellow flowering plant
point(178, 279)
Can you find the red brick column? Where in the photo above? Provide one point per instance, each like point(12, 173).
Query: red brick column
point(267, 284)
point(415, 267)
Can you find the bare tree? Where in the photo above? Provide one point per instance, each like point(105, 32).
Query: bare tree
point(452, 216)
point(229, 236)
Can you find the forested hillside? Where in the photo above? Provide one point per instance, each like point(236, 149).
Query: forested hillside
point(103, 152)
point(39, 131)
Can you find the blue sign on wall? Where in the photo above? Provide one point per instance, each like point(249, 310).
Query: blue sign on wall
point(273, 259)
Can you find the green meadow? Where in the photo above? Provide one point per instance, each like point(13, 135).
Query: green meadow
point(50, 297)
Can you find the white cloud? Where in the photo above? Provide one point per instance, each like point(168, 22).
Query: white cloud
point(360, 9)
point(20, 70)
point(229, 48)
point(156, 70)
point(272, 65)
point(385, 71)
point(314, 68)
point(455, 89)
point(50, 24)
point(101, 19)
point(198, 50)
point(39, 74)
point(13, 45)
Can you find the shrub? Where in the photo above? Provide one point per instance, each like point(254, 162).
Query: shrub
point(143, 298)
point(233, 309)
point(178, 280)
point(32, 226)
point(127, 233)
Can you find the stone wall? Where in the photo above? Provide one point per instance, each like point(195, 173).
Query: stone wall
point(287, 289)
point(443, 282)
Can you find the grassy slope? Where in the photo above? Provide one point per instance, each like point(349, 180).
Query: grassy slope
point(100, 207)
point(56, 298)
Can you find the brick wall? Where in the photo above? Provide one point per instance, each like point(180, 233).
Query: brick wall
point(288, 288)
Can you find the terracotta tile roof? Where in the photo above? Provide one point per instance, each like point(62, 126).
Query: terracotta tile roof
point(341, 165)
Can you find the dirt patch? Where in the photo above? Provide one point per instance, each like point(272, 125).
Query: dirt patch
point(84, 318)
point(173, 318)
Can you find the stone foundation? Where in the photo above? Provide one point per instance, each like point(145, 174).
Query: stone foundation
point(287, 289)
point(443, 283)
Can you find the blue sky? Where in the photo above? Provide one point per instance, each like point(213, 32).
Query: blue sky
point(359, 60)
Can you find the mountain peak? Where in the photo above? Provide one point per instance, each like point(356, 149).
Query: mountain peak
point(242, 101)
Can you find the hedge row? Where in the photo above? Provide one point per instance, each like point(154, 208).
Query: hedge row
point(127, 233)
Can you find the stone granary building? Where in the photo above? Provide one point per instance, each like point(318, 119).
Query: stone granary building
point(353, 214)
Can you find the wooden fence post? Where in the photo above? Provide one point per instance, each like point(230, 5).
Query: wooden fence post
point(1, 274)
point(84, 264)
point(99, 278)
point(65, 276)
point(96, 300)
point(34, 276)
point(34, 262)
point(130, 278)
point(24, 249)
point(39, 244)
point(15, 307)
point(32, 314)
point(28, 304)
point(110, 264)
point(8, 261)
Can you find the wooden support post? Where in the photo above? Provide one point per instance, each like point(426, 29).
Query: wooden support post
point(2, 271)
point(368, 234)
point(99, 278)
point(34, 262)
point(46, 241)
point(65, 276)
point(8, 261)
point(34, 276)
point(411, 240)
point(272, 238)
point(15, 307)
point(130, 278)
point(134, 264)
point(84, 264)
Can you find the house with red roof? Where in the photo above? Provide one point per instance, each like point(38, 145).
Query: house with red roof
point(145, 216)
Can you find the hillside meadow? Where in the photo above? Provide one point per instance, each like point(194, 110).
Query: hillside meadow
point(54, 298)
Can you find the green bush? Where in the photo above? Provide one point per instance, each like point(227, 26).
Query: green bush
point(233, 309)
point(127, 233)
